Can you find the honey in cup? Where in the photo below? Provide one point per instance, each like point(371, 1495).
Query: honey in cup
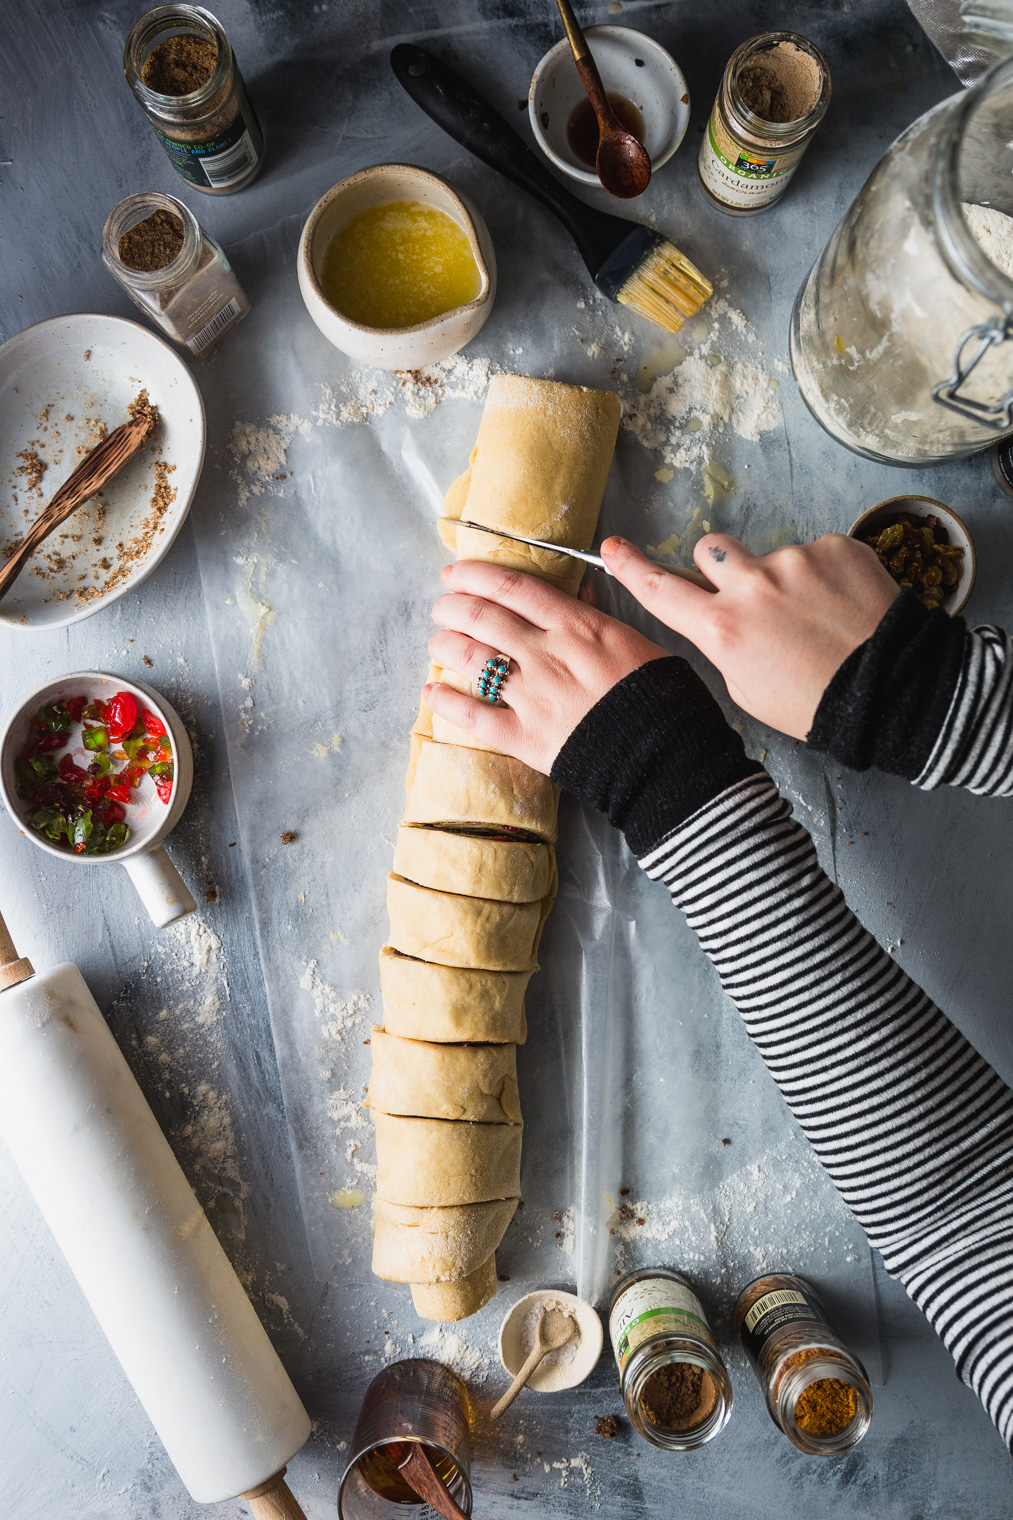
point(399, 264)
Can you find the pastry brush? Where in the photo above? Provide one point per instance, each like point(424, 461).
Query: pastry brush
point(634, 265)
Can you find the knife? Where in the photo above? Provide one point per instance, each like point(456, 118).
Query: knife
point(695, 576)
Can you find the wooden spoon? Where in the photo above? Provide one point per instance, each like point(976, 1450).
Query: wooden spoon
point(623, 163)
point(94, 471)
point(553, 1330)
point(420, 1474)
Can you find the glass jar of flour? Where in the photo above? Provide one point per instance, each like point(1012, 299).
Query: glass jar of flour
point(902, 336)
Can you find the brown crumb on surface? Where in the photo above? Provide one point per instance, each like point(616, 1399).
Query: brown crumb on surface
point(32, 468)
point(503, 1277)
point(726, 1142)
point(289, 836)
point(146, 661)
point(624, 1192)
point(211, 892)
point(607, 1425)
point(87, 354)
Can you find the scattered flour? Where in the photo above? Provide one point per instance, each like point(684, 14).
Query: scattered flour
point(199, 942)
point(419, 391)
point(565, 1229)
point(260, 452)
point(337, 1015)
point(454, 1351)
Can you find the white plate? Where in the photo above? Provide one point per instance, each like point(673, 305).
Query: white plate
point(44, 369)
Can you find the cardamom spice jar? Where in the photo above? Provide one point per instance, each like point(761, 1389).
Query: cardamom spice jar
point(172, 269)
point(816, 1390)
point(180, 65)
point(773, 95)
point(674, 1384)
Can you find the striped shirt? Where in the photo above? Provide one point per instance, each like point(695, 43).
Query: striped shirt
point(912, 1125)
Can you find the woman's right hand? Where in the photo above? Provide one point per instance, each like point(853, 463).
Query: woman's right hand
point(778, 626)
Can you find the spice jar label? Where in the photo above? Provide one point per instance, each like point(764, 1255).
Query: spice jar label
point(742, 176)
point(216, 161)
point(774, 1310)
point(651, 1308)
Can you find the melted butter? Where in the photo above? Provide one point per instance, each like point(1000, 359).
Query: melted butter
point(348, 1198)
point(399, 264)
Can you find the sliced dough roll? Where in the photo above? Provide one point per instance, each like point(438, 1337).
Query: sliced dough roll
point(475, 865)
point(462, 931)
point(477, 1082)
point(437, 1245)
point(467, 543)
point(433, 1163)
point(450, 784)
point(445, 1302)
point(541, 460)
point(451, 1003)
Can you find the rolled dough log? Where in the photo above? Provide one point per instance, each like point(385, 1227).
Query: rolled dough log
point(436, 1162)
point(429, 1081)
point(449, 1301)
point(450, 1003)
point(437, 1245)
point(451, 784)
point(501, 868)
point(462, 931)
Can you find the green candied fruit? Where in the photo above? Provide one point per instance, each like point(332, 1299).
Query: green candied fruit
point(160, 768)
point(49, 821)
point(83, 828)
point(95, 738)
point(117, 835)
point(132, 747)
point(56, 718)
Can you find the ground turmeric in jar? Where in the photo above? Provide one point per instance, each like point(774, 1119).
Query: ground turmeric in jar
point(816, 1390)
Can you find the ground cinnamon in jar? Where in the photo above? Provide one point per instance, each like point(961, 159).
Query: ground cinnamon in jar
point(678, 1396)
point(179, 65)
point(826, 1407)
point(153, 243)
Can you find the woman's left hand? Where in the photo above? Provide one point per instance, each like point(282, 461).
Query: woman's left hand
point(564, 656)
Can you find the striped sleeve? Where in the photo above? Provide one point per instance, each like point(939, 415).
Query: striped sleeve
point(913, 1126)
point(974, 748)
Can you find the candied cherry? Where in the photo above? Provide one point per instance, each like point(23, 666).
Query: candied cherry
point(121, 715)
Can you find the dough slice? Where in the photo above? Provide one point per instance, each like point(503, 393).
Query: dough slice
point(432, 1163)
point(500, 868)
point(450, 1003)
point(437, 1245)
point(451, 784)
point(462, 931)
point(446, 1302)
point(430, 1081)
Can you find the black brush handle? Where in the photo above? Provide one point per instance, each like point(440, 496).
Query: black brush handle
point(460, 110)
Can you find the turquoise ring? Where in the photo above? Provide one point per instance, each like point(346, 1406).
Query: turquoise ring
point(493, 677)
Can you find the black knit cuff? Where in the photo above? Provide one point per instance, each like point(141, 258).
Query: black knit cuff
point(652, 752)
point(887, 703)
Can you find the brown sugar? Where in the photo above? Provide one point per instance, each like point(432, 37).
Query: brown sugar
point(152, 243)
point(32, 468)
point(606, 1425)
point(678, 1396)
point(179, 65)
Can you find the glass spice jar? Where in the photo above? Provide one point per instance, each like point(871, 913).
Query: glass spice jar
point(202, 116)
point(817, 1392)
point(674, 1384)
point(195, 298)
point(746, 160)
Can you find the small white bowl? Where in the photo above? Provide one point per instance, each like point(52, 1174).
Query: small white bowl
point(158, 883)
point(560, 1369)
point(631, 65)
point(77, 369)
point(885, 512)
point(394, 347)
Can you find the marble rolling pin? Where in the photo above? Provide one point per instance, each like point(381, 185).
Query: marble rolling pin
point(140, 1245)
point(473, 882)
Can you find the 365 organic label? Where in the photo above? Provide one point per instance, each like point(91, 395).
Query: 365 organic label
point(739, 176)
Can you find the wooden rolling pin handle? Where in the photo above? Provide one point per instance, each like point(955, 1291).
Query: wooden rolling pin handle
point(13, 968)
point(274, 1500)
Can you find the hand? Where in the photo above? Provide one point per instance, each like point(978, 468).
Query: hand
point(564, 656)
point(779, 626)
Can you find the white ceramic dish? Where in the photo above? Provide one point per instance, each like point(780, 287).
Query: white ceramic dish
point(158, 883)
point(560, 1369)
point(44, 369)
point(884, 512)
point(631, 65)
point(394, 347)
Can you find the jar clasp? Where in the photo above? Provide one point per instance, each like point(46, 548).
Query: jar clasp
point(973, 346)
